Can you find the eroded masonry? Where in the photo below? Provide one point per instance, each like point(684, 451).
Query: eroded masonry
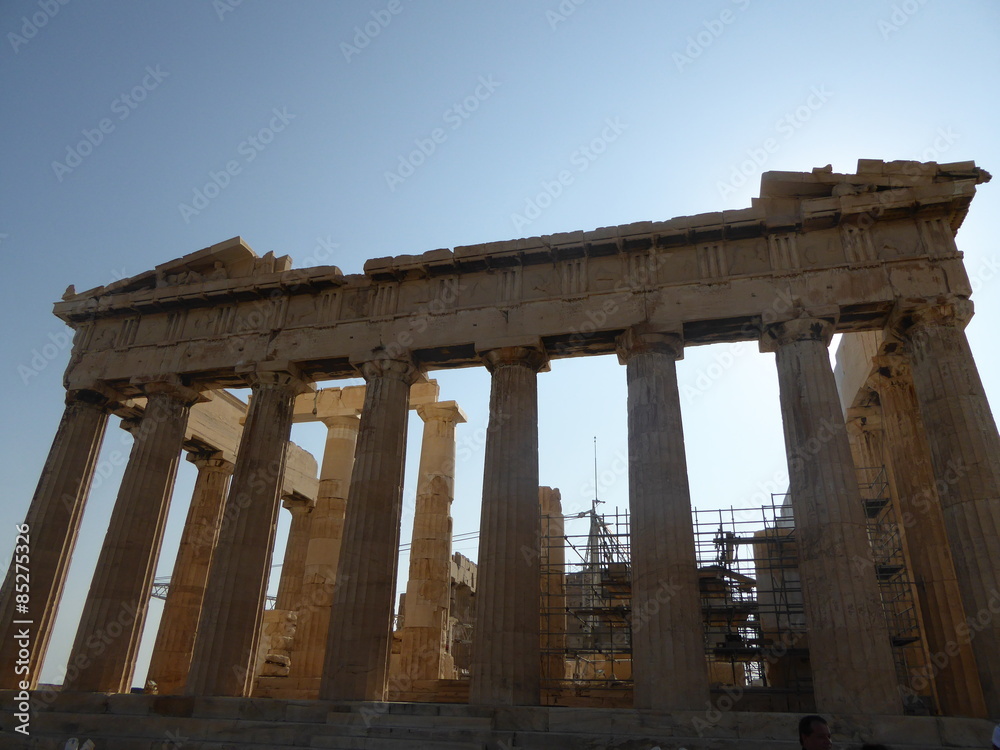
point(870, 254)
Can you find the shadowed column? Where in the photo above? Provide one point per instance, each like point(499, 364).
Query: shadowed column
point(357, 656)
point(965, 455)
point(171, 657)
point(553, 593)
point(505, 648)
point(107, 640)
point(849, 646)
point(326, 532)
point(668, 642)
point(53, 522)
point(293, 565)
point(957, 680)
point(229, 629)
point(423, 653)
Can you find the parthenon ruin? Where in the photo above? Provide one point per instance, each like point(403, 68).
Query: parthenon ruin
point(870, 255)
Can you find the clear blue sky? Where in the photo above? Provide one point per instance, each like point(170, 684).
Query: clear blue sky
point(651, 107)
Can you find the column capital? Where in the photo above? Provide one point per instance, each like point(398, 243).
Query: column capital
point(280, 374)
point(443, 411)
point(400, 368)
point(211, 461)
point(98, 395)
point(531, 355)
point(805, 328)
point(863, 419)
point(297, 503)
point(890, 370)
point(636, 341)
point(350, 421)
point(167, 385)
point(909, 316)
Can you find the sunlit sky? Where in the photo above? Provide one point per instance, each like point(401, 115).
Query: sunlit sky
point(117, 114)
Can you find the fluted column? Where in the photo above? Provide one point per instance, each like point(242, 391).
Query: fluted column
point(505, 648)
point(358, 648)
point(53, 522)
point(553, 580)
point(107, 640)
point(326, 532)
point(293, 565)
point(229, 628)
point(171, 657)
point(849, 646)
point(424, 649)
point(955, 678)
point(965, 456)
point(668, 643)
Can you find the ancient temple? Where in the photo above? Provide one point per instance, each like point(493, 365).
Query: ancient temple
point(870, 254)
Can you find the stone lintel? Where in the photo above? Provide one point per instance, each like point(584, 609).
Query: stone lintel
point(327, 403)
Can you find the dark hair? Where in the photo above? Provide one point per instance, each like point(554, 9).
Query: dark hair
point(806, 724)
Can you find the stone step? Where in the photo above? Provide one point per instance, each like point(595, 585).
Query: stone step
point(143, 722)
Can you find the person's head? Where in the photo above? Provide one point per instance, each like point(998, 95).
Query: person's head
point(814, 733)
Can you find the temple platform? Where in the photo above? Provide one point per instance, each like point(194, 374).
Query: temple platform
point(152, 722)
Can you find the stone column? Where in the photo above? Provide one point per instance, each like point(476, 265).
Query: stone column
point(424, 653)
point(293, 566)
point(965, 456)
point(107, 640)
point(358, 647)
point(229, 628)
point(326, 531)
point(849, 646)
point(505, 649)
point(53, 522)
point(553, 575)
point(171, 658)
point(668, 642)
point(956, 681)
